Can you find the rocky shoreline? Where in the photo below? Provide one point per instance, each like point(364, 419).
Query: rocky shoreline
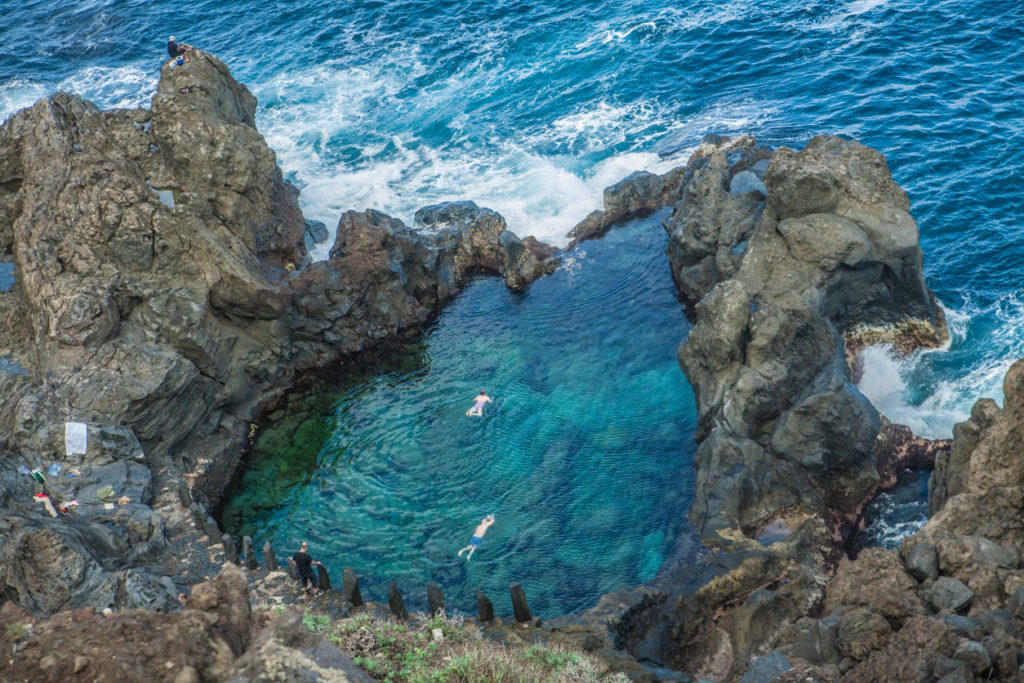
point(164, 292)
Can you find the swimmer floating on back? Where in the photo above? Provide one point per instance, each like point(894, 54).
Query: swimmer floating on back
point(481, 400)
point(478, 535)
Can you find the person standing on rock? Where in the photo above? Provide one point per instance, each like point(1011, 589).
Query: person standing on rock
point(304, 565)
point(478, 407)
point(478, 535)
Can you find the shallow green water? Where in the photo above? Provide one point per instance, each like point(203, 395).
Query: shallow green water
point(584, 457)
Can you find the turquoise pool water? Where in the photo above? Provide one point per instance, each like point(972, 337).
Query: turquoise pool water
point(584, 457)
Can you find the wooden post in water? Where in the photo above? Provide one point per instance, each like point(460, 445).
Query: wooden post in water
point(484, 606)
point(270, 556)
point(248, 553)
point(520, 609)
point(350, 586)
point(323, 578)
point(396, 603)
point(230, 551)
point(435, 598)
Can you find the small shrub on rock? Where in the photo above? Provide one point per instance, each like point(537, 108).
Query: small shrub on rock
point(408, 651)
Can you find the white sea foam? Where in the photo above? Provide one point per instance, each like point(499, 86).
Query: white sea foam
point(18, 93)
point(686, 17)
point(861, 6)
point(107, 87)
point(607, 35)
point(891, 384)
point(934, 389)
point(344, 135)
point(883, 384)
point(727, 116)
point(113, 87)
point(849, 18)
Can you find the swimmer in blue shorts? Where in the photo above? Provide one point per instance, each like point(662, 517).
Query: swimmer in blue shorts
point(478, 535)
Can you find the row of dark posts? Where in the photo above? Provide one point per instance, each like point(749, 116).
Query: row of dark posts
point(350, 584)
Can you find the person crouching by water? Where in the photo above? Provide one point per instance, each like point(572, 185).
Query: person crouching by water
point(304, 566)
point(478, 407)
point(478, 535)
point(178, 51)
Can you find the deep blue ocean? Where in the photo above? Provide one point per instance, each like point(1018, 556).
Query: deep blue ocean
point(533, 107)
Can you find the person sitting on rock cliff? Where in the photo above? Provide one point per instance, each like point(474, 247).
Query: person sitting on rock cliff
point(478, 535)
point(481, 400)
point(304, 565)
point(178, 51)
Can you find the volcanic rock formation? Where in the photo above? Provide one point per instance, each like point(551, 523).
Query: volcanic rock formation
point(162, 291)
point(792, 262)
point(215, 637)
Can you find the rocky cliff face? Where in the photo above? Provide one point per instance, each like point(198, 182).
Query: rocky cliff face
point(824, 250)
point(215, 637)
point(950, 604)
point(162, 291)
point(792, 262)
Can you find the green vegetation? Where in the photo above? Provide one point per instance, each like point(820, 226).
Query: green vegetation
point(409, 652)
point(17, 632)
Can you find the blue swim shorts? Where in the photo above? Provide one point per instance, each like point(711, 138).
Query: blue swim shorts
point(475, 540)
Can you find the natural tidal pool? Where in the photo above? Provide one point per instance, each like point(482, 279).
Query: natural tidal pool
point(584, 457)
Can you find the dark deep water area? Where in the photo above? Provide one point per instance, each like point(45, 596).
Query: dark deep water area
point(584, 456)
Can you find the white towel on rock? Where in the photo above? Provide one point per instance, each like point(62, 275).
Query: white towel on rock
point(76, 438)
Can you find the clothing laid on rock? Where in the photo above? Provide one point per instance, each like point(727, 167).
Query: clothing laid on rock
point(76, 438)
point(45, 500)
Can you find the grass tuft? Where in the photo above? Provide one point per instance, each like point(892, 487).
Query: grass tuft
point(408, 652)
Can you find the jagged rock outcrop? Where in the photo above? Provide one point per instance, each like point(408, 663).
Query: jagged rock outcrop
point(982, 485)
point(480, 240)
point(792, 261)
point(214, 637)
point(162, 291)
point(829, 249)
point(951, 602)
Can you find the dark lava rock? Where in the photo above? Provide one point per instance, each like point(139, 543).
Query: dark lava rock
point(969, 628)
point(910, 655)
point(287, 651)
point(212, 638)
point(950, 594)
point(163, 291)
point(877, 581)
point(792, 261)
point(861, 631)
point(767, 668)
point(766, 357)
point(923, 562)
